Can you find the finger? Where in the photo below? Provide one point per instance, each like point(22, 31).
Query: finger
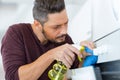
point(65, 62)
point(92, 45)
point(70, 54)
point(68, 60)
point(85, 54)
point(74, 50)
point(87, 44)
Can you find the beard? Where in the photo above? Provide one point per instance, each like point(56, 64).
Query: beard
point(61, 38)
point(58, 39)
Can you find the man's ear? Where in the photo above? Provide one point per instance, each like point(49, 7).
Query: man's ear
point(37, 24)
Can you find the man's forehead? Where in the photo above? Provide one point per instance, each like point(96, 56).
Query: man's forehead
point(57, 18)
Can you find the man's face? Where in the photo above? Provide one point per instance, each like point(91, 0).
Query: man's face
point(55, 29)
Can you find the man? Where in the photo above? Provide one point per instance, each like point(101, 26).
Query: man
point(30, 50)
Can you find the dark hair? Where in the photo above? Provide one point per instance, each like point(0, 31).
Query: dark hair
point(42, 8)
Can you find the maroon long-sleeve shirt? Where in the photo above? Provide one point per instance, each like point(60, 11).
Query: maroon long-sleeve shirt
point(20, 46)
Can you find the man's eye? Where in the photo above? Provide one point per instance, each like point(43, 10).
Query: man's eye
point(57, 27)
point(66, 23)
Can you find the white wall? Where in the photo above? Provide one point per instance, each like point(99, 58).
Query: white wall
point(93, 19)
point(1, 70)
point(80, 24)
point(18, 1)
point(104, 19)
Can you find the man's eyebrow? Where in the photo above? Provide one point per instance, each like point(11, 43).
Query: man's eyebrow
point(59, 24)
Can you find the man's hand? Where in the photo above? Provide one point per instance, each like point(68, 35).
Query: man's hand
point(89, 58)
point(88, 44)
point(65, 53)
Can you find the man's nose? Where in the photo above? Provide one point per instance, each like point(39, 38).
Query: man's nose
point(64, 30)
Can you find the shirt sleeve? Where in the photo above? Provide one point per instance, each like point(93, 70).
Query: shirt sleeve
point(12, 51)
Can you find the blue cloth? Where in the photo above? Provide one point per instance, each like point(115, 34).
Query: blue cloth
point(90, 60)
